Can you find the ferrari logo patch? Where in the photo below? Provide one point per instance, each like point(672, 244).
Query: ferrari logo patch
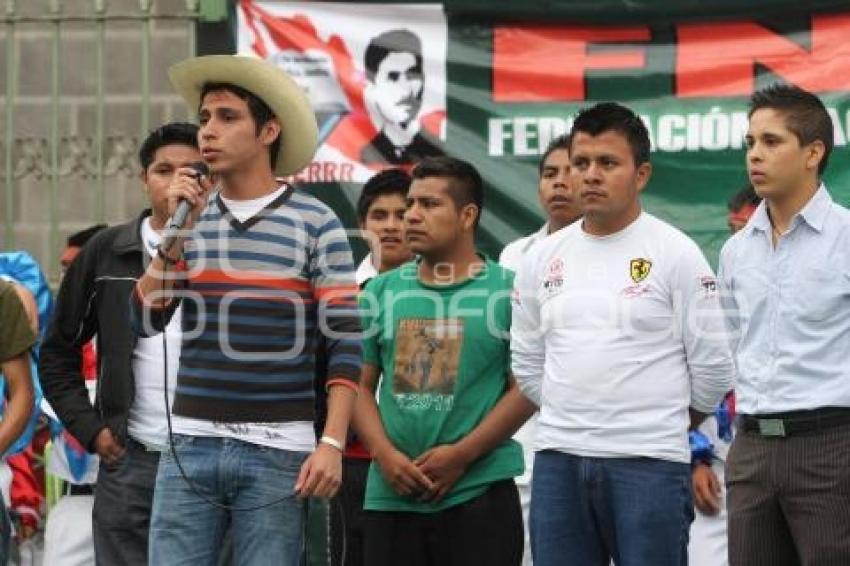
point(639, 269)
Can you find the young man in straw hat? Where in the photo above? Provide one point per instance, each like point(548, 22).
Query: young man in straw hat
point(260, 271)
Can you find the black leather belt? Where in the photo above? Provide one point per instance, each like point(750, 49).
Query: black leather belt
point(795, 422)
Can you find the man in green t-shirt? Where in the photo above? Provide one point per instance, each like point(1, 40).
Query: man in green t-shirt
point(16, 339)
point(440, 489)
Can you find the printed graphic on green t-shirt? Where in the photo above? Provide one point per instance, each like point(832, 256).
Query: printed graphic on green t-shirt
point(444, 352)
point(427, 356)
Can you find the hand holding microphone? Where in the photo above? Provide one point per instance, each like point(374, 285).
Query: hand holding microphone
point(187, 197)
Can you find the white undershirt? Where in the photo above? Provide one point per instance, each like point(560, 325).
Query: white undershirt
point(242, 210)
point(146, 421)
point(365, 271)
point(297, 436)
point(511, 258)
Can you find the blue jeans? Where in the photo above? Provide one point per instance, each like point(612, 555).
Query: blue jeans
point(587, 511)
point(186, 530)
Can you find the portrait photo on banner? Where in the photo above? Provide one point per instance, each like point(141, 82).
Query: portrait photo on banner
point(375, 75)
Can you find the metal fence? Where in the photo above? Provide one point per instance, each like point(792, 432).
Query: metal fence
point(88, 152)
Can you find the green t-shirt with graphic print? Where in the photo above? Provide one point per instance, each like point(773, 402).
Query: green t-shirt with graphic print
point(444, 352)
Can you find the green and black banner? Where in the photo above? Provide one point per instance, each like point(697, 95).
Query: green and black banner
point(495, 91)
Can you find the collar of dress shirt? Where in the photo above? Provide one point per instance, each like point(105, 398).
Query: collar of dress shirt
point(813, 213)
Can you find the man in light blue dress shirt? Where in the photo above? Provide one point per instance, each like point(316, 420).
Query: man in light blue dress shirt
point(786, 282)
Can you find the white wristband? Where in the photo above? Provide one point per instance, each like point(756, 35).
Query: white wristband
point(332, 442)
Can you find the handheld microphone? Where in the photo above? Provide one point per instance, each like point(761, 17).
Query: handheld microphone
point(184, 207)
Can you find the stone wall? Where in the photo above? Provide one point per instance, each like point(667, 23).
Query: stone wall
point(77, 194)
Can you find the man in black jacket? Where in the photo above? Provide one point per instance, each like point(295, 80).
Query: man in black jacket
point(126, 424)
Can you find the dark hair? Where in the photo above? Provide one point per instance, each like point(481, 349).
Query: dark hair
point(393, 41)
point(388, 182)
point(561, 142)
point(805, 115)
point(465, 187)
point(173, 133)
point(260, 111)
point(746, 196)
point(78, 239)
point(613, 117)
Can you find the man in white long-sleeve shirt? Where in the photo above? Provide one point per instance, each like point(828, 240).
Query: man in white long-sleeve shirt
point(617, 332)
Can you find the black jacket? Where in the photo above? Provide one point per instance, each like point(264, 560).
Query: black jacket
point(93, 300)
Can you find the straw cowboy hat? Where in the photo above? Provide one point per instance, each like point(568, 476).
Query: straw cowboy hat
point(299, 133)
